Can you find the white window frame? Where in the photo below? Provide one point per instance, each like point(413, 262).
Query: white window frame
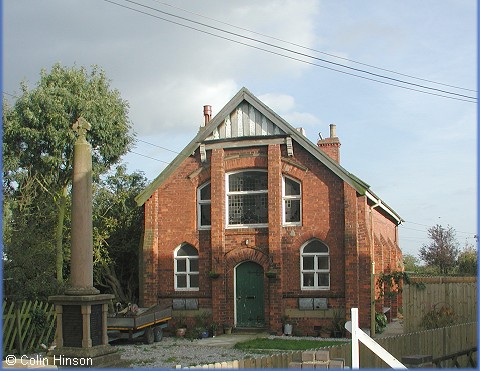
point(201, 203)
point(188, 273)
point(228, 193)
point(286, 198)
point(315, 269)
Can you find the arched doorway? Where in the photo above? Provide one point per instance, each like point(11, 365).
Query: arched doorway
point(249, 295)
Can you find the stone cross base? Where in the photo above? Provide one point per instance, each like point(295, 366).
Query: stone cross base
point(81, 336)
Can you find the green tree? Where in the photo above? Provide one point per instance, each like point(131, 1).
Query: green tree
point(442, 251)
point(28, 244)
point(467, 263)
point(118, 228)
point(411, 263)
point(38, 137)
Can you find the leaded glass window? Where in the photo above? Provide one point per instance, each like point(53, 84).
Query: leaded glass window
point(247, 198)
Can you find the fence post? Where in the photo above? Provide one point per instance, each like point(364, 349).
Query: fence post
point(19, 335)
point(355, 347)
point(359, 335)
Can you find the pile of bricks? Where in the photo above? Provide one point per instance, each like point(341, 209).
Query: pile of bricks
point(317, 359)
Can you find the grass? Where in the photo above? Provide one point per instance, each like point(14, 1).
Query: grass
point(281, 344)
point(171, 360)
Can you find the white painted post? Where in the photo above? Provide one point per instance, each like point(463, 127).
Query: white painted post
point(355, 347)
point(359, 335)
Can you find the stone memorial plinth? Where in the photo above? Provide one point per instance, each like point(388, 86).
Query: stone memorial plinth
point(81, 336)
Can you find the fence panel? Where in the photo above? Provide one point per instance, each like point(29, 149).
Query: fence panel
point(457, 293)
point(437, 342)
point(26, 325)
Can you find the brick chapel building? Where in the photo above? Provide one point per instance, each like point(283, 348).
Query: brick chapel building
point(252, 222)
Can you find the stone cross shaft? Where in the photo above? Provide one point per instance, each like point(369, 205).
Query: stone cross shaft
point(82, 230)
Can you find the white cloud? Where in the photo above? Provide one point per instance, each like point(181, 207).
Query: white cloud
point(176, 103)
point(280, 103)
point(286, 107)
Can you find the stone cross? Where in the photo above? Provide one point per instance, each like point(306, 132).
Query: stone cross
point(80, 127)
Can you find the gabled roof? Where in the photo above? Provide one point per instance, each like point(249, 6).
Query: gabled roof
point(271, 124)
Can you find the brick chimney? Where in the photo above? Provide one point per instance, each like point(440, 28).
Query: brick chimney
point(331, 146)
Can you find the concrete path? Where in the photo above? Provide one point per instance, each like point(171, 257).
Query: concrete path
point(393, 328)
point(228, 341)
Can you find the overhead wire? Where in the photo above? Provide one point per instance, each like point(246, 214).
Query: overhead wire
point(471, 235)
point(151, 158)
point(457, 96)
point(429, 226)
point(156, 145)
point(312, 49)
point(10, 95)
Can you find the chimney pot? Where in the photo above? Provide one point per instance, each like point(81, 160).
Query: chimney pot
point(207, 114)
point(333, 131)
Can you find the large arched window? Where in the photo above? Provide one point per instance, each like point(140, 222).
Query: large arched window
point(247, 198)
point(204, 206)
point(292, 201)
point(315, 266)
point(186, 268)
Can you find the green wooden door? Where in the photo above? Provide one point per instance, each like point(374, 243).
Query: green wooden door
point(249, 295)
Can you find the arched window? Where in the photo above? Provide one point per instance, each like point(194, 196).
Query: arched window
point(186, 268)
point(247, 199)
point(315, 266)
point(292, 201)
point(204, 206)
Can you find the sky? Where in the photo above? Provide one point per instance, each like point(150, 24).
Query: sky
point(417, 151)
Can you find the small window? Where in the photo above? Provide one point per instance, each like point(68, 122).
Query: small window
point(315, 266)
point(292, 202)
point(186, 268)
point(204, 206)
point(247, 199)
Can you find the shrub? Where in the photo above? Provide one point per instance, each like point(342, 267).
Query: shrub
point(439, 317)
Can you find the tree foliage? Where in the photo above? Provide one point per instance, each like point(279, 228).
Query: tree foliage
point(467, 263)
point(118, 228)
point(410, 262)
point(28, 245)
point(38, 138)
point(442, 251)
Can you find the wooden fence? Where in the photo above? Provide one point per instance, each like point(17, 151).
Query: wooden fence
point(26, 325)
point(426, 293)
point(438, 342)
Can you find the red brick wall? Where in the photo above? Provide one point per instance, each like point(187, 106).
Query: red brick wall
point(388, 257)
point(331, 211)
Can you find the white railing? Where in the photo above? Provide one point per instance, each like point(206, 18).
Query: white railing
point(359, 335)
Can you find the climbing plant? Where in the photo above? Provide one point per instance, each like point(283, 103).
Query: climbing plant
point(390, 284)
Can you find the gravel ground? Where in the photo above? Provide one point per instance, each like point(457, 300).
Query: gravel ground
point(173, 351)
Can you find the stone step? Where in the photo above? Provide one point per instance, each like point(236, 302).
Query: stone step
point(249, 330)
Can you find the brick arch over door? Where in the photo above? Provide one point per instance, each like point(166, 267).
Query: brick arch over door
point(237, 256)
